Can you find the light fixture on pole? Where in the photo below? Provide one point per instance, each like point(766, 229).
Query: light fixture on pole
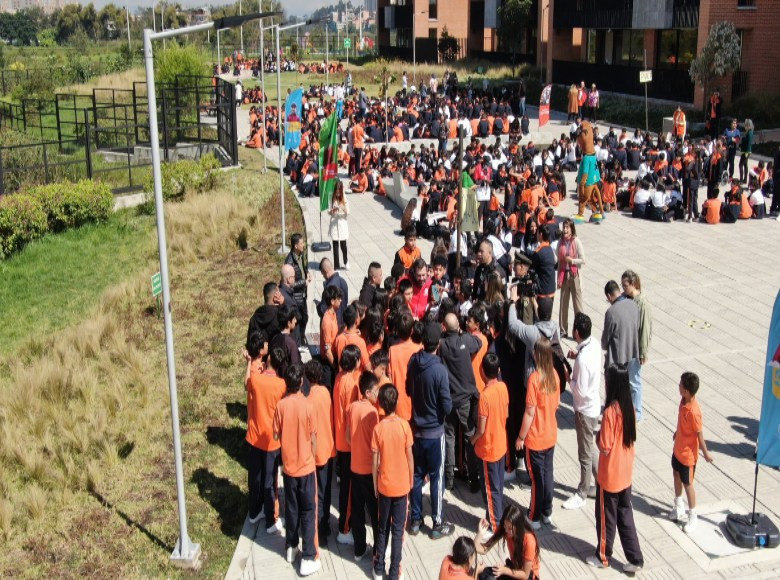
point(186, 553)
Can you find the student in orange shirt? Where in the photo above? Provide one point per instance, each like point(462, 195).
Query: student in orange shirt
point(345, 391)
point(393, 470)
point(475, 322)
point(462, 563)
point(400, 354)
point(361, 420)
point(409, 252)
point(351, 336)
point(295, 427)
point(539, 432)
point(489, 440)
point(688, 438)
point(319, 396)
point(616, 463)
point(711, 209)
point(329, 325)
point(264, 389)
point(515, 529)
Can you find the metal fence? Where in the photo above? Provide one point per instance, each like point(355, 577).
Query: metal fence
point(105, 135)
point(10, 79)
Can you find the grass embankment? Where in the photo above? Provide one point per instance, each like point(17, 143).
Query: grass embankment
point(86, 466)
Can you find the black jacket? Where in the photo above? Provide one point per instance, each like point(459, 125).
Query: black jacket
point(428, 385)
point(368, 291)
point(543, 261)
point(301, 271)
point(341, 284)
point(265, 318)
point(456, 351)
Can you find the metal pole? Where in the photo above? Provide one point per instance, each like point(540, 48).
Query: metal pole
point(265, 99)
point(241, 29)
point(414, 47)
point(283, 249)
point(186, 553)
point(327, 58)
point(647, 122)
point(154, 16)
point(127, 18)
point(460, 195)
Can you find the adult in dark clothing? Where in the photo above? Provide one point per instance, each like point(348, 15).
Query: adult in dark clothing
point(621, 156)
point(288, 319)
point(620, 339)
point(691, 183)
point(300, 265)
point(486, 263)
point(456, 350)
point(370, 283)
point(332, 278)
point(775, 207)
point(286, 288)
point(428, 385)
point(265, 318)
point(543, 262)
point(634, 158)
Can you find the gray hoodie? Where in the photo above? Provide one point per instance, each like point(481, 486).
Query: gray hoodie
point(529, 334)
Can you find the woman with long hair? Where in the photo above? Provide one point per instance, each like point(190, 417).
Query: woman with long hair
point(522, 545)
point(339, 228)
point(571, 257)
point(616, 463)
point(494, 289)
point(539, 432)
point(530, 240)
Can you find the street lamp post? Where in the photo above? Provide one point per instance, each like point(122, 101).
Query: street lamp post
point(219, 50)
point(186, 553)
point(127, 19)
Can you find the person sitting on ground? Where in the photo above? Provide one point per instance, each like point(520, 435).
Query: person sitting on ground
point(711, 209)
point(522, 545)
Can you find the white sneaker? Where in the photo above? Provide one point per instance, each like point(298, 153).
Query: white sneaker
point(345, 539)
point(346, 266)
point(376, 576)
point(366, 552)
point(548, 521)
point(535, 525)
point(692, 523)
point(678, 510)
point(630, 568)
point(594, 562)
point(277, 528)
point(292, 553)
point(309, 567)
point(575, 502)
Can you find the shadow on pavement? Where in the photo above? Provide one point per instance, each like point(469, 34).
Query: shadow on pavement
point(225, 497)
point(231, 439)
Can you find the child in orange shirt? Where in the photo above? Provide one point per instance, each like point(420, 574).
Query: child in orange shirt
point(688, 438)
point(345, 391)
point(515, 529)
point(393, 472)
point(319, 395)
point(539, 432)
point(489, 440)
point(296, 429)
point(462, 563)
point(264, 389)
point(361, 420)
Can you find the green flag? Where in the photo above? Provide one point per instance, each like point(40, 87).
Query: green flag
point(329, 168)
point(466, 181)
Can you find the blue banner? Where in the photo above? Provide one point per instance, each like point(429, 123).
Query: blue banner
point(292, 114)
point(768, 452)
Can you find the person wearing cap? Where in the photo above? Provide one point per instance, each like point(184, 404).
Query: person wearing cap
point(428, 386)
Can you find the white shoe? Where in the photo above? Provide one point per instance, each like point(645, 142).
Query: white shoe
point(346, 266)
point(692, 523)
point(630, 568)
point(345, 539)
point(594, 562)
point(376, 576)
point(277, 528)
point(535, 525)
point(575, 502)
point(548, 521)
point(366, 552)
point(309, 567)
point(292, 553)
point(678, 511)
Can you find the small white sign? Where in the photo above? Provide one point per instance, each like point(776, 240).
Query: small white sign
point(645, 76)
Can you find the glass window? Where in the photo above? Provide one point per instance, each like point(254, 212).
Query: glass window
point(592, 46)
point(433, 9)
point(432, 33)
point(638, 47)
point(667, 48)
point(687, 49)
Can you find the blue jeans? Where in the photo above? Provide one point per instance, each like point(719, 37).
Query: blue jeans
point(635, 378)
point(428, 460)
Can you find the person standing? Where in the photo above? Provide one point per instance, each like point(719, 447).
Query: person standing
point(571, 257)
point(733, 137)
point(593, 102)
point(587, 406)
point(746, 147)
point(339, 227)
point(574, 104)
point(620, 338)
point(332, 278)
point(713, 114)
point(632, 287)
point(616, 463)
point(427, 384)
point(300, 286)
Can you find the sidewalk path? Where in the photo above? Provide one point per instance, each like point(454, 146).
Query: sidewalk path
point(711, 290)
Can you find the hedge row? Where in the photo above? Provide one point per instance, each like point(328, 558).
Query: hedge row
point(27, 216)
point(181, 177)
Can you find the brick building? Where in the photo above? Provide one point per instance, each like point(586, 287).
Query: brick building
point(609, 41)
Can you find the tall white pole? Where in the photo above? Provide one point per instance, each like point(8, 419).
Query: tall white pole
point(265, 98)
point(283, 249)
point(414, 48)
point(219, 56)
point(327, 59)
point(154, 16)
point(241, 29)
point(127, 19)
point(186, 553)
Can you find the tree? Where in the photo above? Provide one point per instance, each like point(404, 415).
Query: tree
point(110, 21)
point(67, 22)
point(47, 38)
point(89, 20)
point(719, 56)
point(2, 56)
point(448, 46)
point(513, 16)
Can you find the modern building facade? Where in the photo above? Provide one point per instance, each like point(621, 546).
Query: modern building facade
point(609, 41)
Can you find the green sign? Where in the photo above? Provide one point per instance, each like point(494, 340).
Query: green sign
point(156, 284)
point(347, 43)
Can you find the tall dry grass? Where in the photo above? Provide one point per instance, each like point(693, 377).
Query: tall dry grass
point(122, 80)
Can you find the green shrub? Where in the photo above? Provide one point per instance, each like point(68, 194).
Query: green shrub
point(762, 109)
point(182, 177)
point(22, 220)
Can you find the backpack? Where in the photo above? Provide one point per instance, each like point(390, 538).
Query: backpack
point(561, 365)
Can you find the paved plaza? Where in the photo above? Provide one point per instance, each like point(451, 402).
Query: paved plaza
point(711, 289)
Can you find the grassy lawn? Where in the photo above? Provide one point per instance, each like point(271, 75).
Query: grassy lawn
point(86, 468)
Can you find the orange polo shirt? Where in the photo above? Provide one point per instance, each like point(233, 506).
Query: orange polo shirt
point(361, 420)
point(264, 390)
point(543, 433)
point(689, 425)
point(407, 257)
point(319, 397)
point(329, 330)
point(348, 337)
point(616, 463)
point(294, 421)
point(345, 391)
point(529, 552)
point(494, 407)
point(398, 367)
point(358, 134)
point(450, 571)
point(713, 210)
point(476, 362)
point(391, 440)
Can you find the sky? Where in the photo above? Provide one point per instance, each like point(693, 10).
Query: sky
point(293, 7)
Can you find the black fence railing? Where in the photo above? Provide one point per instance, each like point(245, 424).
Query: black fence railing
point(10, 79)
point(739, 84)
point(105, 135)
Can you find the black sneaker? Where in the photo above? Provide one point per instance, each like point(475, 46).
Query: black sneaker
point(442, 530)
point(414, 527)
point(449, 484)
